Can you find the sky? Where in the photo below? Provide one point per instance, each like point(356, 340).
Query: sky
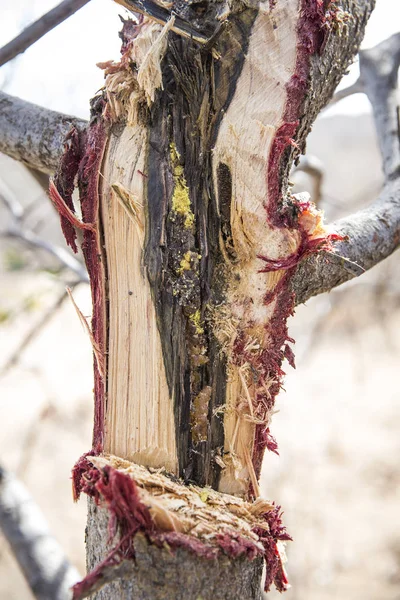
point(60, 71)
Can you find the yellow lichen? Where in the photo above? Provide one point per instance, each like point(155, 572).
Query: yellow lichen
point(185, 263)
point(196, 320)
point(175, 156)
point(180, 195)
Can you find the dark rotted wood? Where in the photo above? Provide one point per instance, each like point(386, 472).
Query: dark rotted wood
point(186, 116)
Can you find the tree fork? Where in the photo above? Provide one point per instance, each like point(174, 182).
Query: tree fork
point(191, 238)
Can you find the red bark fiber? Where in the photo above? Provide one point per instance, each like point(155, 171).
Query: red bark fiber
point(311, 35)
point(118, 492)
point(82, 159)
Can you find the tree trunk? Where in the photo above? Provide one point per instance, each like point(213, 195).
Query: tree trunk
point(191, 239)
point(158, 574)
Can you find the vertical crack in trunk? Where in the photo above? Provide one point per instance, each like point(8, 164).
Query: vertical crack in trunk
point(183, 255)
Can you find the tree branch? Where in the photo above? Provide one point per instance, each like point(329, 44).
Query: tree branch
point(30, 238)
point(373, 233)
point(39, 28)
point(32, 134)
point(356, 88)
point(379, 68)
point(42, 560)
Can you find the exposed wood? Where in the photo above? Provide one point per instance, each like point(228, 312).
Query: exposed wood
point(182, 254)
point(197, 232)
point(228, 535)
point(139, 417)
point(244, 142)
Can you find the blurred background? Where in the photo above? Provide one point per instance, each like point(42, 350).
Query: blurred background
point(338, 421)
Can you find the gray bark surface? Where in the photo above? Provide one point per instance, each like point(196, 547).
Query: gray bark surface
point(32, 134)
point(158, 574)
point(373, 233)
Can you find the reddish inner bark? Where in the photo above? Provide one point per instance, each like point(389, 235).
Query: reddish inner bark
point(118, 492)
point(311, 35)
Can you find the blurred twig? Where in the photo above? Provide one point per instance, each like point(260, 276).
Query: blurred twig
point(27, 236)
point(357, 87)
point(34, 331)
point(30, 439)
point(39, 28)
point(40, 557)
point(312, 166)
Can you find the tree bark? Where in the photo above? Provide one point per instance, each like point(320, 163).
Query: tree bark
point(158, 574)
point(32, 134)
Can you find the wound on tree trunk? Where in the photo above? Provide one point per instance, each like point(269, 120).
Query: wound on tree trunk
point(191, 237)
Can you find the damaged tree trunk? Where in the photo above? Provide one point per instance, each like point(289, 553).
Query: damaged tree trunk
point(191, 237)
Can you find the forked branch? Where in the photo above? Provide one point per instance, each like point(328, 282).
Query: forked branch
point(35, 136)
point(371, 234)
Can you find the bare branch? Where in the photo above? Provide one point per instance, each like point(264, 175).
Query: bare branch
point(28, 237)
point(373, 233)
point(42, 560)
point(34, 331)
point(63, 256)
point(379, 68)
point(32, 134)
point(11, 202)
point(356, 88)
point(39, 28)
